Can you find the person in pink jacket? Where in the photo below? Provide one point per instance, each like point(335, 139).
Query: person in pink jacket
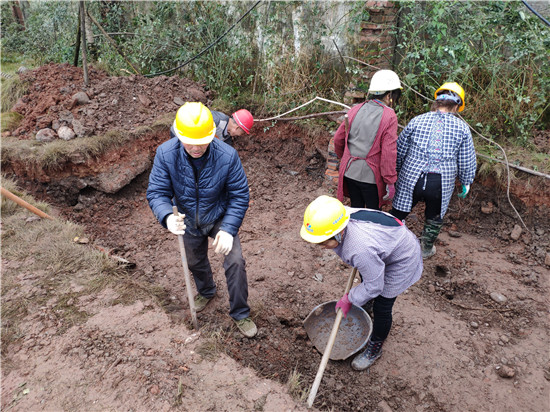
point(367, 148)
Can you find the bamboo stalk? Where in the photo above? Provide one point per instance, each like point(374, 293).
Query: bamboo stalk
point(113, 43)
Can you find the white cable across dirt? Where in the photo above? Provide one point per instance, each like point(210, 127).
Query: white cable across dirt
point(303, 105)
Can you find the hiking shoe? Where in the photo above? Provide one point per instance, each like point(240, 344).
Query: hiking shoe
point(368, 357)
point(247, 327)
point(201, 302)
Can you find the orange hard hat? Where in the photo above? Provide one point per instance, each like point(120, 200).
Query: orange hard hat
point(244, 119)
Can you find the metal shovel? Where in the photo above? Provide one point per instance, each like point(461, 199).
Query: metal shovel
point(190, 298)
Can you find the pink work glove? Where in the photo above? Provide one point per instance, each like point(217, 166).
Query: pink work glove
point(390, 192)
point(344, 304)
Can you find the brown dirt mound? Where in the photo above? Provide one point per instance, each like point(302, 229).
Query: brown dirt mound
point(115, 102)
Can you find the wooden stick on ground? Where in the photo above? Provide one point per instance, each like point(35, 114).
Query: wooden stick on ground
point(9, 195)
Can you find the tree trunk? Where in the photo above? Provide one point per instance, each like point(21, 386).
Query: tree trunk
point(18, 15)
point(83, 37)
point(77, 47)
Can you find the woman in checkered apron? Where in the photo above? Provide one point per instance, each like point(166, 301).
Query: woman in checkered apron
point(432, 151)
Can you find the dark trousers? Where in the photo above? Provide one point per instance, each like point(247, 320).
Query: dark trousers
point(196, 248)
point(362, 194)
point(427, 189)
point(382, 318)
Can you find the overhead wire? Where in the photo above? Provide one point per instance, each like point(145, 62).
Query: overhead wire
point(535, 12)
point(208, 47)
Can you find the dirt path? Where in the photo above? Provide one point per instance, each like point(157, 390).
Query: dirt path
point(449, 345)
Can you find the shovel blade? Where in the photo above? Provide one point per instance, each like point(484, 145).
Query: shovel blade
point(353, 334)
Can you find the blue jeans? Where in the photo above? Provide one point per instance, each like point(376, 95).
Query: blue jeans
point(196, 248)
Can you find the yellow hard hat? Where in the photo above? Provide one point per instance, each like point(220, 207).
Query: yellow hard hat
point(454, 87)
point(194, 124)
point(323, 218)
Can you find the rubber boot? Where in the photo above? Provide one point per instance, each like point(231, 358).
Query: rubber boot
point(432, 227)
point(368, 357)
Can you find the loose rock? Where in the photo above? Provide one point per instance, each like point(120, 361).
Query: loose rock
point(46, 135)
point(516, 232)
point(488, 208)
point(497, 297)
point(66, 133)
point(80, 98)
point(505, 371)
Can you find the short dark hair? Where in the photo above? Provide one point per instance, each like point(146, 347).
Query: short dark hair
point(448, 104)
point(395, 95)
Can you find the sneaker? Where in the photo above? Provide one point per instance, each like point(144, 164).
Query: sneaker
point(368, 357)
point(247, 327)
point(201, 302)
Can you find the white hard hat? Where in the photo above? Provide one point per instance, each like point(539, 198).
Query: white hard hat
point(383, 81)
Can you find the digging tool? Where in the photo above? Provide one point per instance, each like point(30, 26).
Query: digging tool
point(9, 195)
point(330, 344)
point(190, 298)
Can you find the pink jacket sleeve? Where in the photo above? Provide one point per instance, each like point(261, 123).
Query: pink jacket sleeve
point(389, 151)
point(340, 140)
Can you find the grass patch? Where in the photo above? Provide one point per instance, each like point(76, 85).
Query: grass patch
point(295, 386)
point(528, 157)
point(44, 271)
point(10, 121)
point(213, 346)
point(12, 90)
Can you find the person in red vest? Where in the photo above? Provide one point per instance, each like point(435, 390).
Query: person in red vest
point(368, 148)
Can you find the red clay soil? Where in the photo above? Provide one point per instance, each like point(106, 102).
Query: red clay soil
point(453, 346)
point(115, 102)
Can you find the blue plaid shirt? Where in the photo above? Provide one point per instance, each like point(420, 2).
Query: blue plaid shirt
point(433, 142)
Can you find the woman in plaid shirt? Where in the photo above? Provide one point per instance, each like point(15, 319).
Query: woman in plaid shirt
point(432, 151)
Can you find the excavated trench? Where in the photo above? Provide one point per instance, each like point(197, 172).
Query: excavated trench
point(288, 278)
point(433, 355)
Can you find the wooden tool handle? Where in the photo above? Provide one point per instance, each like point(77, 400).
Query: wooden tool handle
point(187, 275)
point(6, 193)
point(330, 344)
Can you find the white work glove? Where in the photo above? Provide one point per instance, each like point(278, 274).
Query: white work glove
point(223, 242)
point(175, 224)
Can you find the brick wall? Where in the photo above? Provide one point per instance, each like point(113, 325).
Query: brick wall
point(376, 46)
point(375, 43)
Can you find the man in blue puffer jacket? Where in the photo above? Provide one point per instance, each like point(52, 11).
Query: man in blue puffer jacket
point(205, 179)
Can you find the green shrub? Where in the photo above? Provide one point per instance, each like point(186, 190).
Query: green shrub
point(496, 50)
